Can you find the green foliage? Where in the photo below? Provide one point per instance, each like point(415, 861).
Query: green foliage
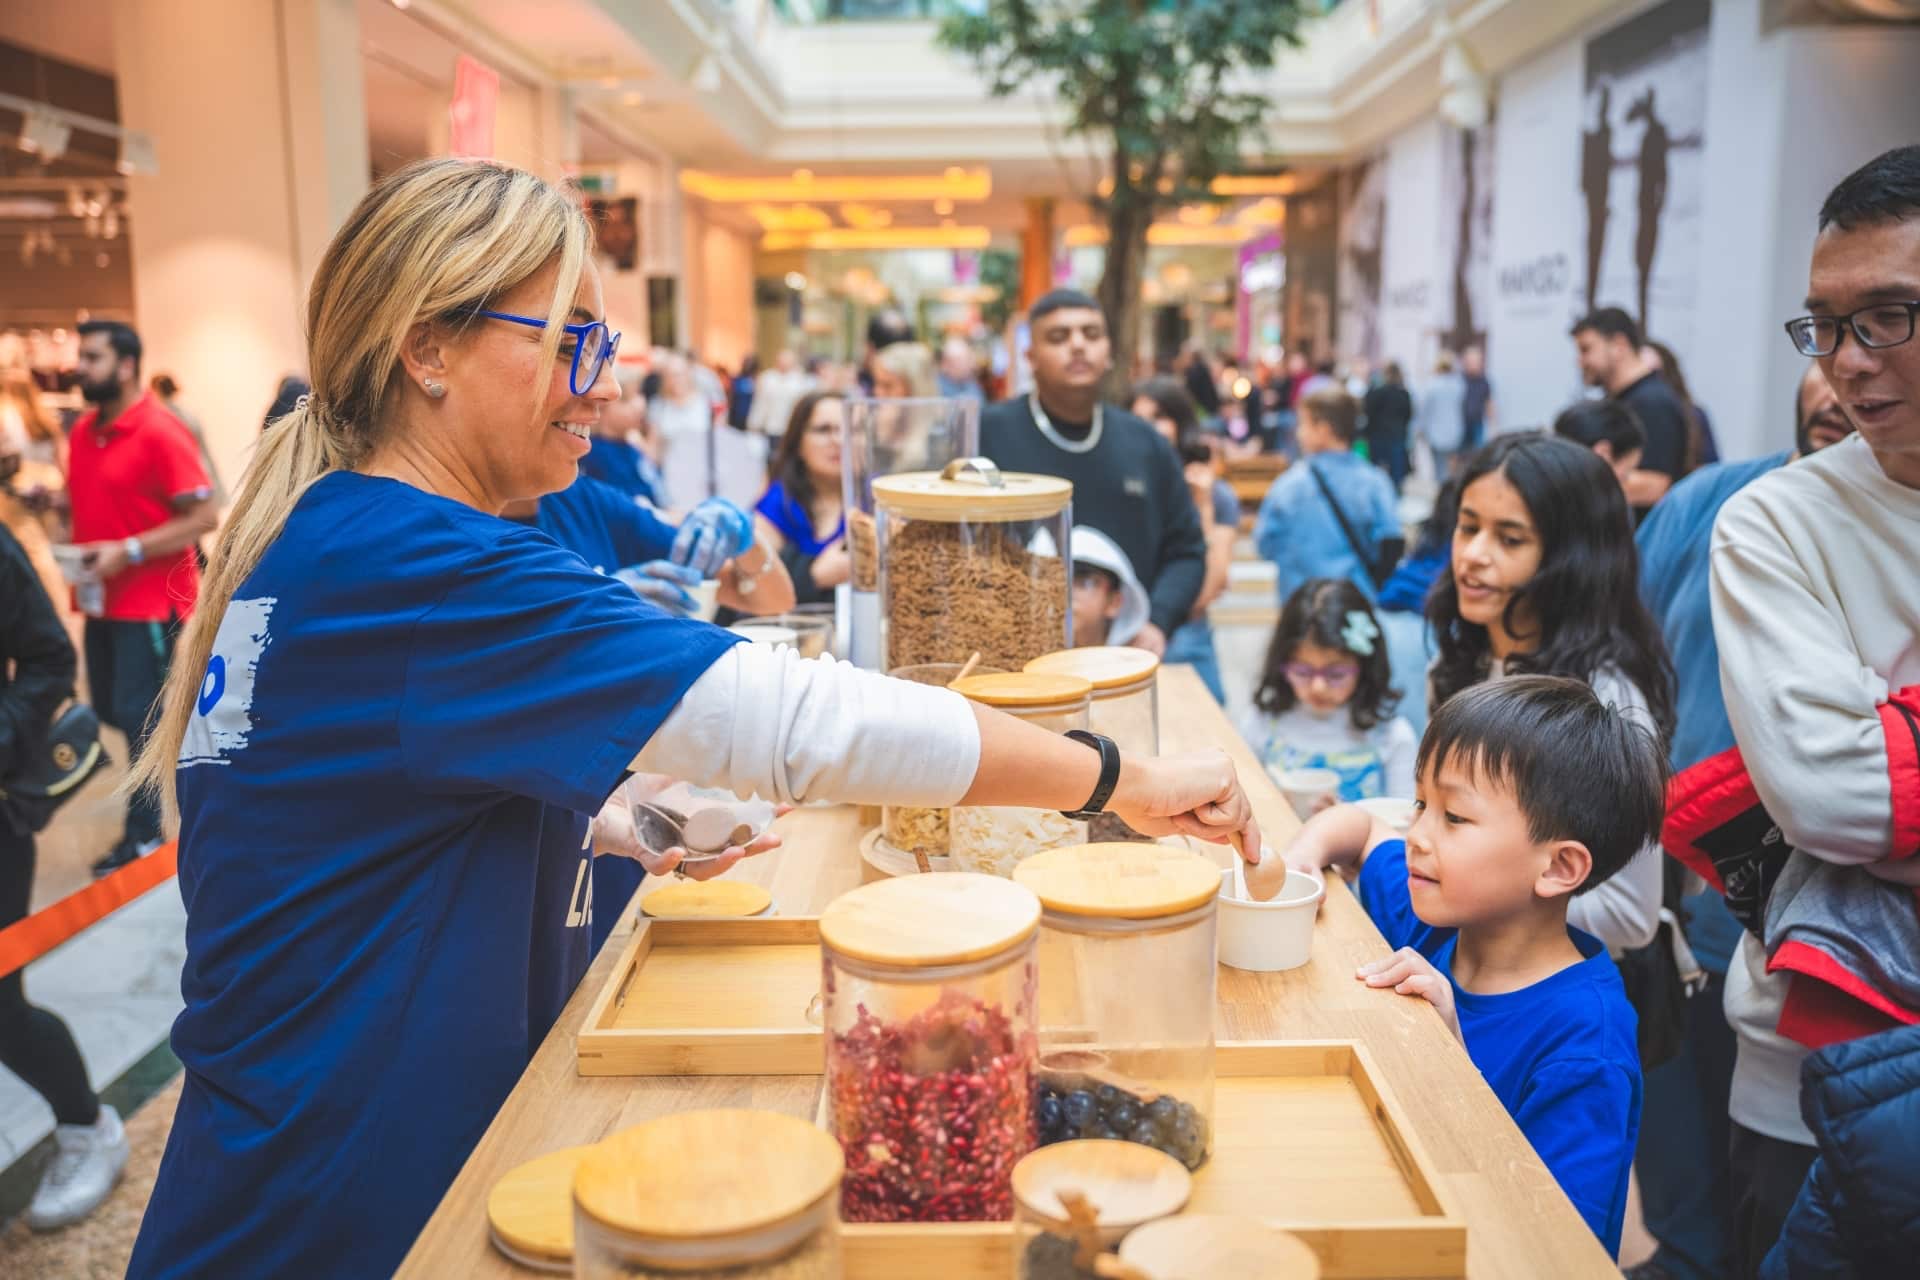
point(1153, 77)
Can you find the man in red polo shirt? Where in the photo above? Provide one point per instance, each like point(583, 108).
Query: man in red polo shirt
point(141, 500)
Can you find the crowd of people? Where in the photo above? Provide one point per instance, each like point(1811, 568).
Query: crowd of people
point(1657, 716)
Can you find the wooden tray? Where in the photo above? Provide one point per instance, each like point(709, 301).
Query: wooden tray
point(708, 998)
point(1309, 1138)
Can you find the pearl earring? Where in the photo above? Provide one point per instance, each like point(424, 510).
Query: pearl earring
point(437, 390)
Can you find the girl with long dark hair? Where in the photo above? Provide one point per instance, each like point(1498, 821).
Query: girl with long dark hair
point(1545, 581)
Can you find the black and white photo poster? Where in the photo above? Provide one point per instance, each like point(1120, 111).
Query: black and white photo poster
point(1363, 236)
point(1642, 166)
point(1466, 235)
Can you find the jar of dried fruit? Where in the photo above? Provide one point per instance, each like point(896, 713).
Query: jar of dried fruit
point(1126, 708)
point(1121, 1057)
point(884, 438)
point(994, 838)
point(1074, 1201)
point(928, 989)
point(733, 1193)
point(913, 828)
point(973, 560)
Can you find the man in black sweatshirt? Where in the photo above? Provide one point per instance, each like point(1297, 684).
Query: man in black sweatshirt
point(1127, 480)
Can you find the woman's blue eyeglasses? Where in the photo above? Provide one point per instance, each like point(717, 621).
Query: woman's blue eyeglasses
point(593, 346)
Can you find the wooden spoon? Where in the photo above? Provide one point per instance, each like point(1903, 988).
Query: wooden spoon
point(966, 670)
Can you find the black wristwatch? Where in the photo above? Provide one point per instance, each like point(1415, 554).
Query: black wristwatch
point(1109, 775)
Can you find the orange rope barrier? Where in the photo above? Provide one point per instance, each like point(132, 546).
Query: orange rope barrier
point(24, 941)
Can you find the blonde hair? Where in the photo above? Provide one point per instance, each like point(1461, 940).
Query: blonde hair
point(912, 363)
point(430, 242)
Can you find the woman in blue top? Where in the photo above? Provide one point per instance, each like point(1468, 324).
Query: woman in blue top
point(802, 514)
point(392, 711)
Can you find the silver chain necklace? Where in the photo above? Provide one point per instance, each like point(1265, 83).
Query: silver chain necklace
point(1048, 430)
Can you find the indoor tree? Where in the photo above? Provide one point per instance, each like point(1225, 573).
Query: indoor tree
point(1153, 82)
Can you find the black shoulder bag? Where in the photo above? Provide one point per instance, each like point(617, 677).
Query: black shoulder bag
point(1382, 560)
point(56, 769)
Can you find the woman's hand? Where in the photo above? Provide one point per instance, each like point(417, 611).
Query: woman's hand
point(1412, 974)
point(613, 833)
point(1197, 795)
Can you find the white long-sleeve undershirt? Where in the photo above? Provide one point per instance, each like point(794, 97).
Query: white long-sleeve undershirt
point(766, 721)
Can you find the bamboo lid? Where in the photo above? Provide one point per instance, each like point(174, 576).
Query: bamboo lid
point(972, 489)
point(951, 917)
point(1126, 1183)
point(531, 1208)
point(1016, 689)
point(717, 898)
point(707, 1175)
point(1120, 881)
point(1105, 667)
point(1206, 1246)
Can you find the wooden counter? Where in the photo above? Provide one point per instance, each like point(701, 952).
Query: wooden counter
point(1520, 1226)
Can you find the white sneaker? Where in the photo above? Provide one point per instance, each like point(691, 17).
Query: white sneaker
point(87, 1160)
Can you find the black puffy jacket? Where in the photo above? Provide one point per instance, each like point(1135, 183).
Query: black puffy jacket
point(36, 648)
point(1858, 1215)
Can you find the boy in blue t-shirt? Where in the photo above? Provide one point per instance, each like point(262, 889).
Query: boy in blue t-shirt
point(1529, 792)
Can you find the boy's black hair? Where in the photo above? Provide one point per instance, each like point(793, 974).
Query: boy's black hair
point(1579, 770)
point(1060, 300)
point(1609, 322)
point(121, 337)
point(1884, 189)
point(1318, 611)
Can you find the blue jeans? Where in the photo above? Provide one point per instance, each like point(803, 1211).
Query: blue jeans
point(1192, 643)
point(1682, 1156)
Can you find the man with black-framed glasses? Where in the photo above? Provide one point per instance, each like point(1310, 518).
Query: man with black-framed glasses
point(1816, 609)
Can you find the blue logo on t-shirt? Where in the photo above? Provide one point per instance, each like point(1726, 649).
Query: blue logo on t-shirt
point(214, 685)
point(220, 724)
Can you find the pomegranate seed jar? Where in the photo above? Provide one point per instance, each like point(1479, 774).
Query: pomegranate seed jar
point(1126, 995)
point(700, 1195)
point(928, 987)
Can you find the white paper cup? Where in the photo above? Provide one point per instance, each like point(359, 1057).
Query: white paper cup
point(1393, 811)
point(1269, 937)
point(1304, 787)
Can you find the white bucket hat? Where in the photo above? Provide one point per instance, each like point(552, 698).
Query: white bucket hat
point(1092, 547)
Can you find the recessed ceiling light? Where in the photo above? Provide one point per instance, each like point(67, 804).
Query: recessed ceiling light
point(955, 173)
point(803, 175)
point(943, 207)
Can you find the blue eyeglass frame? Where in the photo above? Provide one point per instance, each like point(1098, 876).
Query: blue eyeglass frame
point(579, 332)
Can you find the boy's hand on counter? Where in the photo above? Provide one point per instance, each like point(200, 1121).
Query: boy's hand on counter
point(1197, 795)
point(1412, 974)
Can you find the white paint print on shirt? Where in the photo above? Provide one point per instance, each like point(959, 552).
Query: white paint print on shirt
point(222, 717)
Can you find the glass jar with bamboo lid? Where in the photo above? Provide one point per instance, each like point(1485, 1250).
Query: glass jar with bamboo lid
point(927, 995)
point(994, 839)
point(973, 560)
point(752, 1195)
point(1123, 1057)
point(1126, 708)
